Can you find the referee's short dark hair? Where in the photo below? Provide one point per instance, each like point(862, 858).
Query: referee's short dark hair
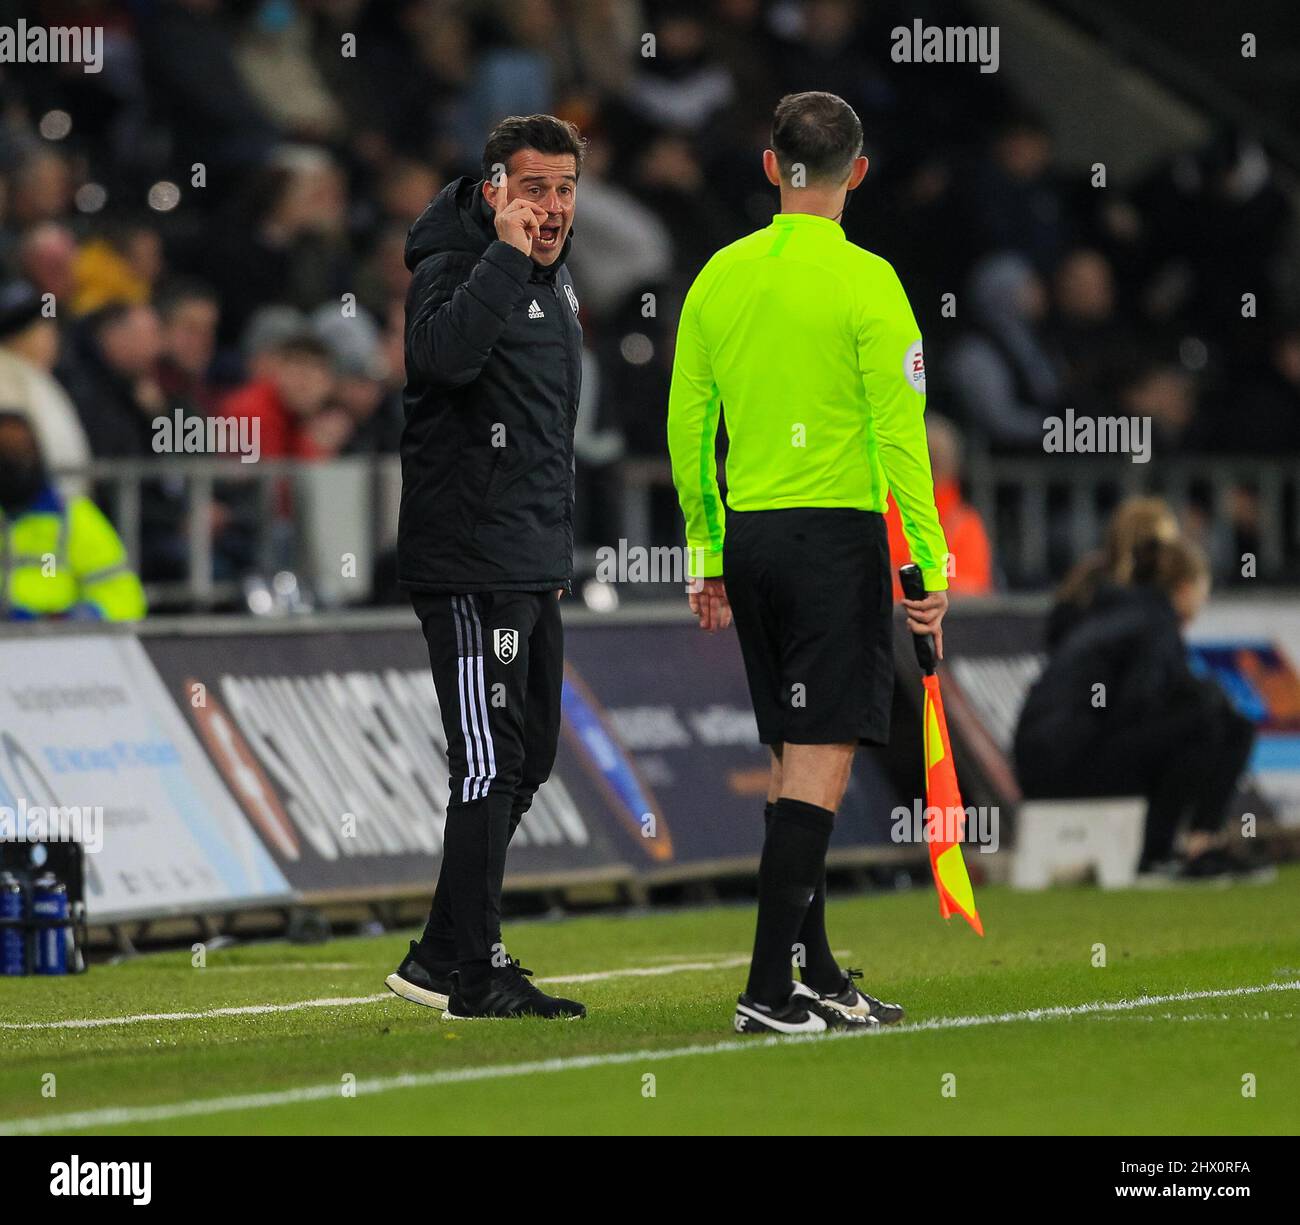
point(818, 131)
point(544, 133)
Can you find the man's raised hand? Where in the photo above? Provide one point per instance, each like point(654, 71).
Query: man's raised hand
point(517, 221)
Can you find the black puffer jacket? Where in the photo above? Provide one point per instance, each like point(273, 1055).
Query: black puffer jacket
point(1129, 641)
point(493, 370)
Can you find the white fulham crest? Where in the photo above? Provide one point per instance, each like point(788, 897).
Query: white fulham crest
point(506, 644)
point(573, 297)
point(914, 367)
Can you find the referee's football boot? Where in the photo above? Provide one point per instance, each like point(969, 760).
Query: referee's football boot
point(507, 994)
point(854, 1003)
point(805, 1012)
point(421, 983)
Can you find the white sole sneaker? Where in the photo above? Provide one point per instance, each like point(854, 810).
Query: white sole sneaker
point(750, 1021)
point(416, 995)
point(807, 1013)
point(860, 1009)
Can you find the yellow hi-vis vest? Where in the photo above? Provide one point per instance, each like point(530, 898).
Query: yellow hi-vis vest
point(58, 558)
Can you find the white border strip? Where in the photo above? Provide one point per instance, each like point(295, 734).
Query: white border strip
point(257, 1010)
point(246, 1010)
point(133, 1115)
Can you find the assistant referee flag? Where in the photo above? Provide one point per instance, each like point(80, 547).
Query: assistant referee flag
point(810, 344)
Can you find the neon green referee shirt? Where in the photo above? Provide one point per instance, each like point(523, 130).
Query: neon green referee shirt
point(810, 344)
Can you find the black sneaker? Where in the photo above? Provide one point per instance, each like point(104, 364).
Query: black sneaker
point(417, 982)
point(508, 993)
point(805, 1012)
point(852, 1002)
point(1220, 865)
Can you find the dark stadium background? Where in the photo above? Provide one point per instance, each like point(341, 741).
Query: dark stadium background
point(233, 176)
point(217, 221)
point(316, 164)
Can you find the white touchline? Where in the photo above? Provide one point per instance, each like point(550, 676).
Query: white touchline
point(257, 1010)
point(244, 1010)
point(676, 967)
point(277, 966)
point(131, 1115)
point(1097, 1006)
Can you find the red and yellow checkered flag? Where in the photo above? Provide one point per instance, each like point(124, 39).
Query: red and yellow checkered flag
point(945, 813)
point(943, 803)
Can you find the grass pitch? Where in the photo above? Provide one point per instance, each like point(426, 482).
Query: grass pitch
point(1017, 1033)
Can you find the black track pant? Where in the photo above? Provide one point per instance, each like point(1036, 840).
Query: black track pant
point(1186, 762)
point(498, 668)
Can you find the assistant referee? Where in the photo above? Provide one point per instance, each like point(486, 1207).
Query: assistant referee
point(808, 345)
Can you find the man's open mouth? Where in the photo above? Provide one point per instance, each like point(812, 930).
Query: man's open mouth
point(548, 235)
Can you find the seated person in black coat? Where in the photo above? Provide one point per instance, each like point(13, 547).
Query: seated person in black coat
point(1118, 711)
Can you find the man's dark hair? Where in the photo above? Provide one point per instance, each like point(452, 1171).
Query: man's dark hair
point(98, 321)
point(177, 290)
point(118, 228)
point(302, 344)
point(544, 133)
point(15, 416)
point(818, 131)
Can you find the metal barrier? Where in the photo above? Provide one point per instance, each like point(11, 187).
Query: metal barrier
point(1041, 513)
point(1032, 504)
point(301, 514)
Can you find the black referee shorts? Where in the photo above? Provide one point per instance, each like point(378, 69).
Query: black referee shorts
point(810, 592)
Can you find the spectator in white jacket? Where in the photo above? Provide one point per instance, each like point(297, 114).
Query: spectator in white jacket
point(29, 347)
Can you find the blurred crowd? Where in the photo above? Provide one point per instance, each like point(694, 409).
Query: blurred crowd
point(220, 216)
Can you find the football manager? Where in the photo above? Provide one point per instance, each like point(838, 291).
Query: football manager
point(808, 345)
point(485, 534)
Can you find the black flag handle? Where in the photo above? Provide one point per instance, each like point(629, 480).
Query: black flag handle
point(913, 584)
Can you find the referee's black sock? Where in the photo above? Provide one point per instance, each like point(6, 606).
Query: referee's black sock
point(820, 969)
point(794, 861)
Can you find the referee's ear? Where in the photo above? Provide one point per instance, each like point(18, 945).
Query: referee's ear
point(772, 167)
point(857, 173)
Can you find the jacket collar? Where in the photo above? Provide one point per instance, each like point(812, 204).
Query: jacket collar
point(809, 221)
point(48, 501)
